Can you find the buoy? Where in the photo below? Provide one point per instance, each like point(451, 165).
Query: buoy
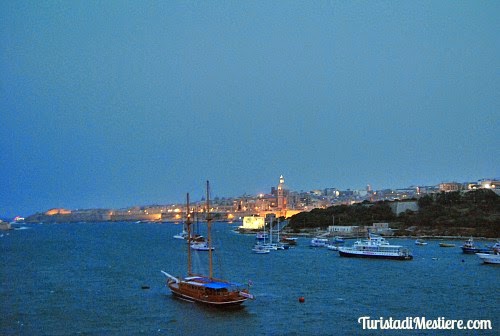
point(301, 299)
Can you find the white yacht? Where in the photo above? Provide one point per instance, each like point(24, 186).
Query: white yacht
point(375, 247)
point(489, 258)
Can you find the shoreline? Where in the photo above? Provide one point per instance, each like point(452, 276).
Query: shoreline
point(328, 235)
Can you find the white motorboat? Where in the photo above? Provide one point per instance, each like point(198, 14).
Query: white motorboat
point(201, 246)
point(181, 235)
point(420, 242)
point(489, 258)
point(260, 249)
point(318, 242)
point(332, 247)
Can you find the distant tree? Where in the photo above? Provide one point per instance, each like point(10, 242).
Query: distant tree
point(425, 201)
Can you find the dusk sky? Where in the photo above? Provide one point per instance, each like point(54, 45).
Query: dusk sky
point(110, 104)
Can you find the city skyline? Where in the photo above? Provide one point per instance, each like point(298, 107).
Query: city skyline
point(119, 103)
point(343, 196)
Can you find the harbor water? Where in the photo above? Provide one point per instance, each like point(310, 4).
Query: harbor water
point(105, 279)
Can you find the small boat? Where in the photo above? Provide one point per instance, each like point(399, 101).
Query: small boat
point(495, 247)
point(375, 247)
point(289, 240)
point(197, 238)
point(338, 240)
point(261, 236)
point(470, 248)
point(332, 247)
point(260, 249)
point(335, 243)
point(420, 242)
point(206, 289)
point(181, 235)
point(318, 242)
point(446, 245)
point(201, 246)
point(489, 258)
point(276, 246)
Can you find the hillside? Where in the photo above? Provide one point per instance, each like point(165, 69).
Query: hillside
point(473, 213)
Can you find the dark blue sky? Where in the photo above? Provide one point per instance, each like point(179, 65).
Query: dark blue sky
point(119, 103)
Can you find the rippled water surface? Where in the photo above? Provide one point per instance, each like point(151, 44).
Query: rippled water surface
point(61, 279)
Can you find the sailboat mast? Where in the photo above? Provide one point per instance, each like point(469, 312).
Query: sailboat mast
point(188, 224)
point(209, 235)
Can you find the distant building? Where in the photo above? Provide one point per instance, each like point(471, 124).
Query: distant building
point(450, 186)
point(343, 229)
point(57, 211)
point(253, 223)
point(380, 228)
point(489, 183)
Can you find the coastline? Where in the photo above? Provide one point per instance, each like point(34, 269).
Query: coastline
point(325, 234)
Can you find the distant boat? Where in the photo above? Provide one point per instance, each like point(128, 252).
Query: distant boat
point(318, 242)
point(205, 288)
point(260, 249)
point(489, 258)
point(338, 240)
point(201, 246)
point(181, 235)
point(375, 247)
point(495, 247)
point(261, 236)
point(446, 245)
point(269, 245)
point(332, 247)
point(335, 243)
point(469, 247)
point(289, 240)
point(264, 244)
point(420, 242)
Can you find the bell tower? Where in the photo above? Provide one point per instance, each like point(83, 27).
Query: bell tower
point(281, 195)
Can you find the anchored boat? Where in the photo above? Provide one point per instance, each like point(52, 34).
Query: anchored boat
point(469, 247)
point(206, 289)
point(375, 247)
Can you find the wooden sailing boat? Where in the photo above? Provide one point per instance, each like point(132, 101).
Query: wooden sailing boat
point(202, 288)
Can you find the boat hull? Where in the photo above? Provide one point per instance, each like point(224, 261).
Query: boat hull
point(375, 256)
point(183, 291)
point(473, 250)
point(186, 297)
point(489, 258)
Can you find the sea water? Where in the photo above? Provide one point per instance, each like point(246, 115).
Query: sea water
point(105, 279)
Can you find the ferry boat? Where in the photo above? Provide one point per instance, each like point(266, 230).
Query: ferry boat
point(206, 289)
point(375, 247)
